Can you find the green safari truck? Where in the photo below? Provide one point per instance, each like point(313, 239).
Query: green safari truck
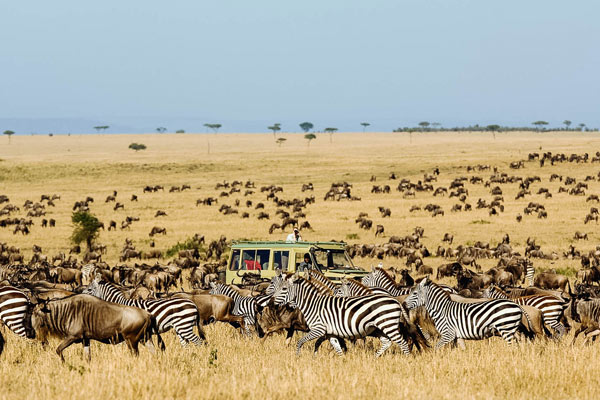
point(264, 258)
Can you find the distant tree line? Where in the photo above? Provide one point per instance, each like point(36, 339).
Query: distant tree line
point(537, 126)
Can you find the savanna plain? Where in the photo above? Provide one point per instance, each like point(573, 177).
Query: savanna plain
point(232, 366)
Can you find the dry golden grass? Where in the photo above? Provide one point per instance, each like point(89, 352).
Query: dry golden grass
point(77, 166)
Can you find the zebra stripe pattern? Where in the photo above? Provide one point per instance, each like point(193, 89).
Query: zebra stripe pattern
point(459, 321)
point(344, 317)
point(551, 307)
point(179, 314)
point(243, 306)
point(380, 281)
point(13, 308)
point(529, 272)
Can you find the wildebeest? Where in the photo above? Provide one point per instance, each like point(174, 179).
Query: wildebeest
point(156, 230)
point(81, 318)
point(549, 280)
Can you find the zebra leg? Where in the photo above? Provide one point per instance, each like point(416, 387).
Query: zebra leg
point(558, 327)
point(385, 344)
point(446, 338)
point(186, 334)
point(461, 343)
point(507, 335)
point(314, 333)
point(247, 323)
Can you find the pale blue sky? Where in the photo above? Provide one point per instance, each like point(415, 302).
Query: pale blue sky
point(138, 64)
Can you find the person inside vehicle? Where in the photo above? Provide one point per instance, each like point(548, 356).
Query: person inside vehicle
point(294, 236)
point(306, 264)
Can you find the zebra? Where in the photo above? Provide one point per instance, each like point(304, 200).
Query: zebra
point(343, 317)
point(529, 272)
point(179, 314)
point(460, 321)
point(87, 273)
point(320, 282)
point(551, 307)
point(244, 306)
point(14, 305)
point(381, 282)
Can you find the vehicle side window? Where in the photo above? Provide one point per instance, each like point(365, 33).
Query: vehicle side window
point(280, 260)
point(234, 263)
point(262, 259)
point(299, 260)
point(249, 260)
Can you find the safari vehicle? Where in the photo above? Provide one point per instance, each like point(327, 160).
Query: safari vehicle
point(265, 258)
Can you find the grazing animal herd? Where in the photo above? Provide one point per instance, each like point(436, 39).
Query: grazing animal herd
point(137, 303)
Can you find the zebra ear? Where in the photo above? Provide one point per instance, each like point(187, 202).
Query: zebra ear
point(212, 284)
point(424, 282)
point(279, 272)
point(295, 276)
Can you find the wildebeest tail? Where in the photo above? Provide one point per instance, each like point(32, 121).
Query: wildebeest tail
point(201, 333)
point(153, 330)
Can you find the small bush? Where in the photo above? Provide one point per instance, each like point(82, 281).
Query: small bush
point(137, 146)
point(189, 244)
point(352, 236)
point(480, 221)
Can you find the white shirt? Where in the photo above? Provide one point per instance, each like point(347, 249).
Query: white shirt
point(291, 238)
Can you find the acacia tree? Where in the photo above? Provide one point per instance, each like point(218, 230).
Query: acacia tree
point(214, 127)
point(540, 124)
point(280, 141)
point(275, 128)
point(567, 123)
point(85, 228)
point(9, 133)
point(364, 125)
point(581, 126)
point(331, 131)
point(306, 126)
point(493, 128)
point(424, 125)
point(436, 125)
point(161, 129)
point(309, 137)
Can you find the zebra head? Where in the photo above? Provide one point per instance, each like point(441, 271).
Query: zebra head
point(286, 293)
point(216, 288)
point(417, 297)
point(276, 282)
point(343, 290)
point(488, 292)
point(94, 286)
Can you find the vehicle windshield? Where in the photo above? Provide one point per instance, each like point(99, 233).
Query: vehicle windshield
point(333, 259)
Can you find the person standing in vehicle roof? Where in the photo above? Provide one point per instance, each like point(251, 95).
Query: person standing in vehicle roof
point(294, 236)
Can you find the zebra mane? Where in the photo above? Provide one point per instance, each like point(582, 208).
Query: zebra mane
point(435, 287)
point(321, 278)
point(386, 275)
point(498, 289)
point(313, 283)
point(359, 284)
